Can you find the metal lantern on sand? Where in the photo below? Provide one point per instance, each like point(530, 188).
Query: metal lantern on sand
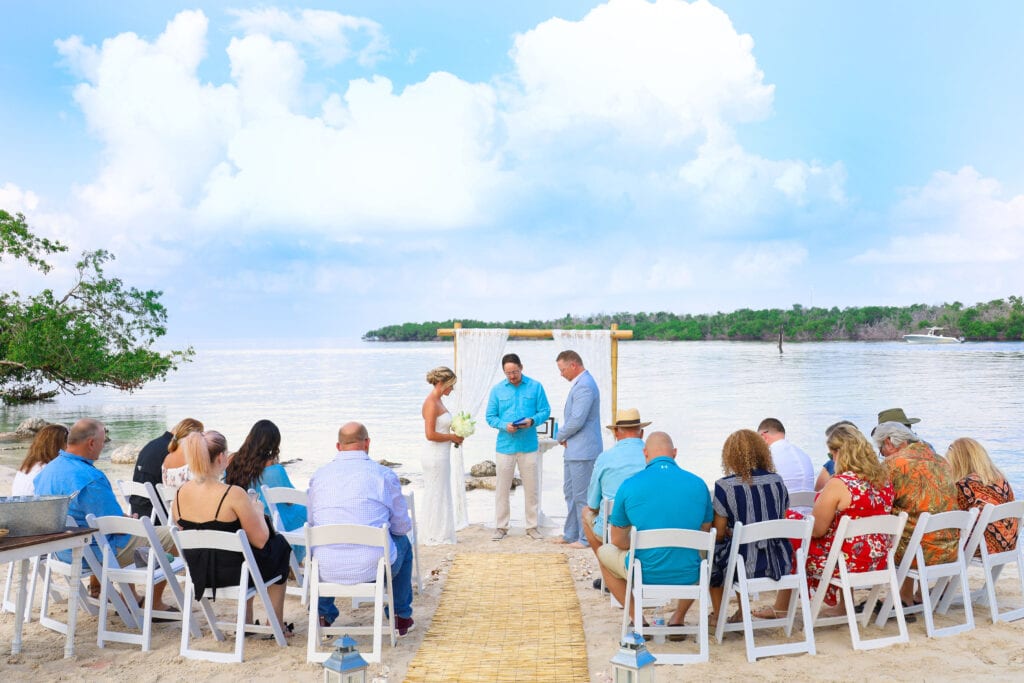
point(345, 665)
point(633, 663)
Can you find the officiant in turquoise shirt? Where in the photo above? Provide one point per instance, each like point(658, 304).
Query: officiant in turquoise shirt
point(515, 408)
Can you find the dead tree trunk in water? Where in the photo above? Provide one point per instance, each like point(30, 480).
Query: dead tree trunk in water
point(780, 338)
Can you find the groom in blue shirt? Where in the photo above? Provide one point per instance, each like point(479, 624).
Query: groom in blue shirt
point(515, 407)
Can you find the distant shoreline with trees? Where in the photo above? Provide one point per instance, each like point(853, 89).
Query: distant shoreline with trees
point(997, 320)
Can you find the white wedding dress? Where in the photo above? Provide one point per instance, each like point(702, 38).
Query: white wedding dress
point(436, 515)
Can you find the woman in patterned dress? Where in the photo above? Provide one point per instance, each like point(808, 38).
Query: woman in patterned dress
point(860, 488)
point(750, 492)
point(979, 482)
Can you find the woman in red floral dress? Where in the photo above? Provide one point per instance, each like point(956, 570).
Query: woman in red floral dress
point(860, 488)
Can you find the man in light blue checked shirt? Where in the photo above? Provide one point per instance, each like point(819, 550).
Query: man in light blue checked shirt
point(352, 489)
point(515, 407)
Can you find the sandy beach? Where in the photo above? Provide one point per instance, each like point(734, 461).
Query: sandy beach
point(990, 651)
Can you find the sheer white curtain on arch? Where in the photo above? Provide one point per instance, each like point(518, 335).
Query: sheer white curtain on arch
point(478, 355)
point(595, 348)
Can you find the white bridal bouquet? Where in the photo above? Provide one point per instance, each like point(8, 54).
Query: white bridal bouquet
point(463, 425)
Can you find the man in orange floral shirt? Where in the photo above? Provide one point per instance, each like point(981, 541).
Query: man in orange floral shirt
point(922, 481)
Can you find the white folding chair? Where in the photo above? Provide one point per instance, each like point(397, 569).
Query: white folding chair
point(127, 489)
point(606, 537)
point(703, 541)
point(280, 495)
point(847, 581)
point(158, 568)
point(924, 574)
point(802, 499)
point(417, 581)
point(380, 590)
point(165, 494)
point(250, 584)
point(57, 567)
point(737, 581)
point(976, 553)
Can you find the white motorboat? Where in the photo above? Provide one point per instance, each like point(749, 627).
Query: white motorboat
point(931, 337)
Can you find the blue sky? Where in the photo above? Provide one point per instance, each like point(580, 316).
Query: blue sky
point(318, 170)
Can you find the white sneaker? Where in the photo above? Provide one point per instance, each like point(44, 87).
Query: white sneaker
point(499, 534)
point(534, 534)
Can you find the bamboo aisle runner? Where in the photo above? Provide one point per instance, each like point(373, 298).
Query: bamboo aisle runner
point(505, 618)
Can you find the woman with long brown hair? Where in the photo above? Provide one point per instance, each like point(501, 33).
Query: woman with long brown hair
point(256, 463)
point(47, 445)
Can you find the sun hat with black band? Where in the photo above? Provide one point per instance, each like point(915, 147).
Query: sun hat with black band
point(627, 418)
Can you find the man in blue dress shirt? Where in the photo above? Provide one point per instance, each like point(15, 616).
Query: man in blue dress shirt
point(580, 434)
point(73, 472)
point(514, 408)
point(614, 466)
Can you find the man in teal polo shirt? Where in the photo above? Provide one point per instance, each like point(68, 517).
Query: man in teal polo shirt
point(662, 496)
point(515, 408)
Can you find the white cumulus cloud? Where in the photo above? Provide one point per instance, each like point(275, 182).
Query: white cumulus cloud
point(657, 88)
point(957, 218)
point(330, 34)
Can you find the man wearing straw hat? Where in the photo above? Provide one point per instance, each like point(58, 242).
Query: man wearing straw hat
point(614, 466)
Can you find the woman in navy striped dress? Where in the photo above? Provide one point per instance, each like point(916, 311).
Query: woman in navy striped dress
point(750, 492)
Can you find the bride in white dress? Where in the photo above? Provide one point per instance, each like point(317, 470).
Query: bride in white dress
point(436, 514)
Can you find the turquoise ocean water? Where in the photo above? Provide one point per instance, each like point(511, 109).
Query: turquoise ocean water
point(696, 391)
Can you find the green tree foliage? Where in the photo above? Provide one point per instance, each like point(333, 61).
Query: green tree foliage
point(993, 321)
point(98, 333)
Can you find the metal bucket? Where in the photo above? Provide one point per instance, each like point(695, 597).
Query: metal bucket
point(34, 515)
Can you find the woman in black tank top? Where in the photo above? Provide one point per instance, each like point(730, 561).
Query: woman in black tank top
point(206, 455)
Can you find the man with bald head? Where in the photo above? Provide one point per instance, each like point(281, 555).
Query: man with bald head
point(352, 489)
point(662, 496)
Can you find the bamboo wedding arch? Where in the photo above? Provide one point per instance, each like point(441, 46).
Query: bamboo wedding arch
point(616, 335)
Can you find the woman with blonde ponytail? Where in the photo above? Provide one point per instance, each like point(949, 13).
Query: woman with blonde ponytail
point(175, 471)
point(206, 502)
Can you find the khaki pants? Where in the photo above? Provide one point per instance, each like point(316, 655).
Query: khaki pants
point(613, 559)
point(126, 555)
point(506, 467)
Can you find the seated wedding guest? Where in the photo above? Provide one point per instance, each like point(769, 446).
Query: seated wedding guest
point(860, 488)
point(750, 492)
point(614, 466)
point(662, 496)
point(828, 469)
point(149, 465)
point(74, 473)
point(352, 489)
point(47, 445)
point(205, 502)
point(174, 471)
point(922, 481)
point(256, 463)
point(791, 462)
point(978, 482)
